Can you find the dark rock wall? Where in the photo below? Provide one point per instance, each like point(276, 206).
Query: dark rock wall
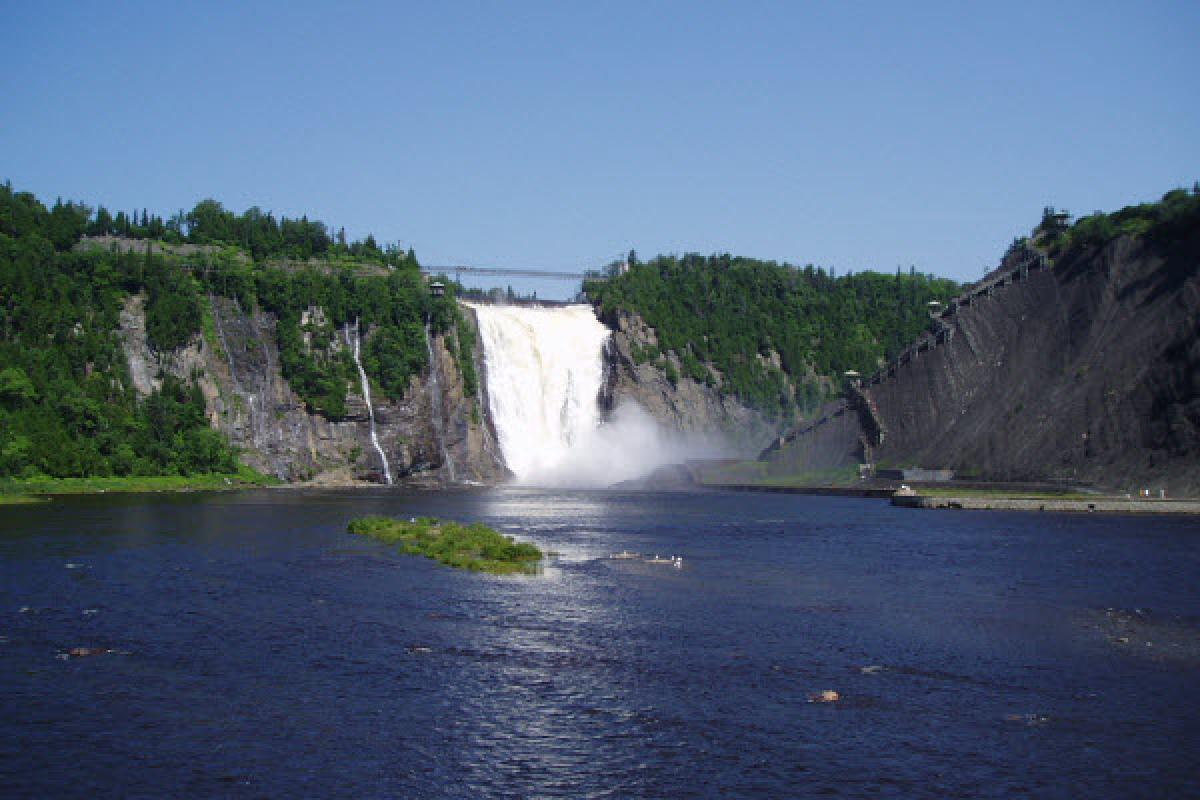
point(1088, 371)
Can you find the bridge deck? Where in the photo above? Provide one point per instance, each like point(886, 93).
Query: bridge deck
point(523, 272)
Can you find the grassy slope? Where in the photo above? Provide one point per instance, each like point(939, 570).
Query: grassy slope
point(23, 489)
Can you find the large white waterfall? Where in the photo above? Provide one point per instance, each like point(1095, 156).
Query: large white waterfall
point(545, 369)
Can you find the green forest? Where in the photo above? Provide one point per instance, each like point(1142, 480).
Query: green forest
point(735, 313)
point(67, 408)
point(773, 335)
point(67, 405)
point(1172, 218)
point(259, 233)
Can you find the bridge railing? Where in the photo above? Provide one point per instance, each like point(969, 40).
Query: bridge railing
point(521, 272)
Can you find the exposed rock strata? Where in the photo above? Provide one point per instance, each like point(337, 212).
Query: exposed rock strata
point(687, 406)
point(249, 401)
point(1087, 371)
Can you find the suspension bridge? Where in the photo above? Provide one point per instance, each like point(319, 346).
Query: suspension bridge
point(518, 272)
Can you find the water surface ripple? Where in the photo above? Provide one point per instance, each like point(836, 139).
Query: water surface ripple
point(257, 650)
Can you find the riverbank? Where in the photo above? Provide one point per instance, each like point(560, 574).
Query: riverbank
point(834, 491)
point(984, 501)
point(34, 489)
point(12, 499)
point(975, 495)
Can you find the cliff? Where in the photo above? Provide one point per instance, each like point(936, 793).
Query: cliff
point(434, 433)
point(684, 405)
point(1086, 370)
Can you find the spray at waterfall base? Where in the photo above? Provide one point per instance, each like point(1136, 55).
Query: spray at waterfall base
point(545, 375)
point(627, 445)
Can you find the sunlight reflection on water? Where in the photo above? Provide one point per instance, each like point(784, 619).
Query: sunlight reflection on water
point(973, 654)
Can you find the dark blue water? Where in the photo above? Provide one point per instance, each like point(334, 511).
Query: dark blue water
point(260, 651)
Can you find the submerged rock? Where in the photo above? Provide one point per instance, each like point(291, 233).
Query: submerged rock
point(84, 652)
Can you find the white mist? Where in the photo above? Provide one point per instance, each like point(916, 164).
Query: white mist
point(545, 369)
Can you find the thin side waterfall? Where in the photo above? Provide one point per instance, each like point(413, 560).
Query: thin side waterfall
point(366, 393)
point(435, 404)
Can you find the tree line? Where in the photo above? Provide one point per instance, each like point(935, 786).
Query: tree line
point(778, 336)
point(1175, 216)
point(67, 405)
point(259, 233)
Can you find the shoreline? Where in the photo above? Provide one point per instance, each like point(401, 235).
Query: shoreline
point(35, 490)
point(873, 492)
point(1100, 504)
point(49, 487)
point(978, 498)
point(972, 498)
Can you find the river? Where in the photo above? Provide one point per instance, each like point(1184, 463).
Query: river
point(258, 650)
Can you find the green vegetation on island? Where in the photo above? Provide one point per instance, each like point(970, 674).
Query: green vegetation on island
point(780, 336)
point(474, 547)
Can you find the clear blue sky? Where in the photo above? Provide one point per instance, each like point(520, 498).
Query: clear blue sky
point(560, 134)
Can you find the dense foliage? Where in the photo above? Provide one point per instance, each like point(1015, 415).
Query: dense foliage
point(1176, 215)
point(317, 309)
point(475, 547)
point(771, 331)
point(66, 404)
point(255, 231)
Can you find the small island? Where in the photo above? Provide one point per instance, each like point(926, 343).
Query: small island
point(475, 547)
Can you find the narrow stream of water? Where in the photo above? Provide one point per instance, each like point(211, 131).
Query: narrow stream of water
point(366, 393)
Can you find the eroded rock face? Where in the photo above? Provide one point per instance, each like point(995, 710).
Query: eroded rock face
point(468, 434)
point(1087, 371)
point(248, 400)
point(687, 406)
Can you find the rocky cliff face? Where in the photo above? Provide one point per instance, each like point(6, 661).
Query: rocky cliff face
point(433, 434)
point(1085, 371)
point(686, 406)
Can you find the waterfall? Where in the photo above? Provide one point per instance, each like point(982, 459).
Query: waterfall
point(366, 393)
point(435, 404)
point(544, 372)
